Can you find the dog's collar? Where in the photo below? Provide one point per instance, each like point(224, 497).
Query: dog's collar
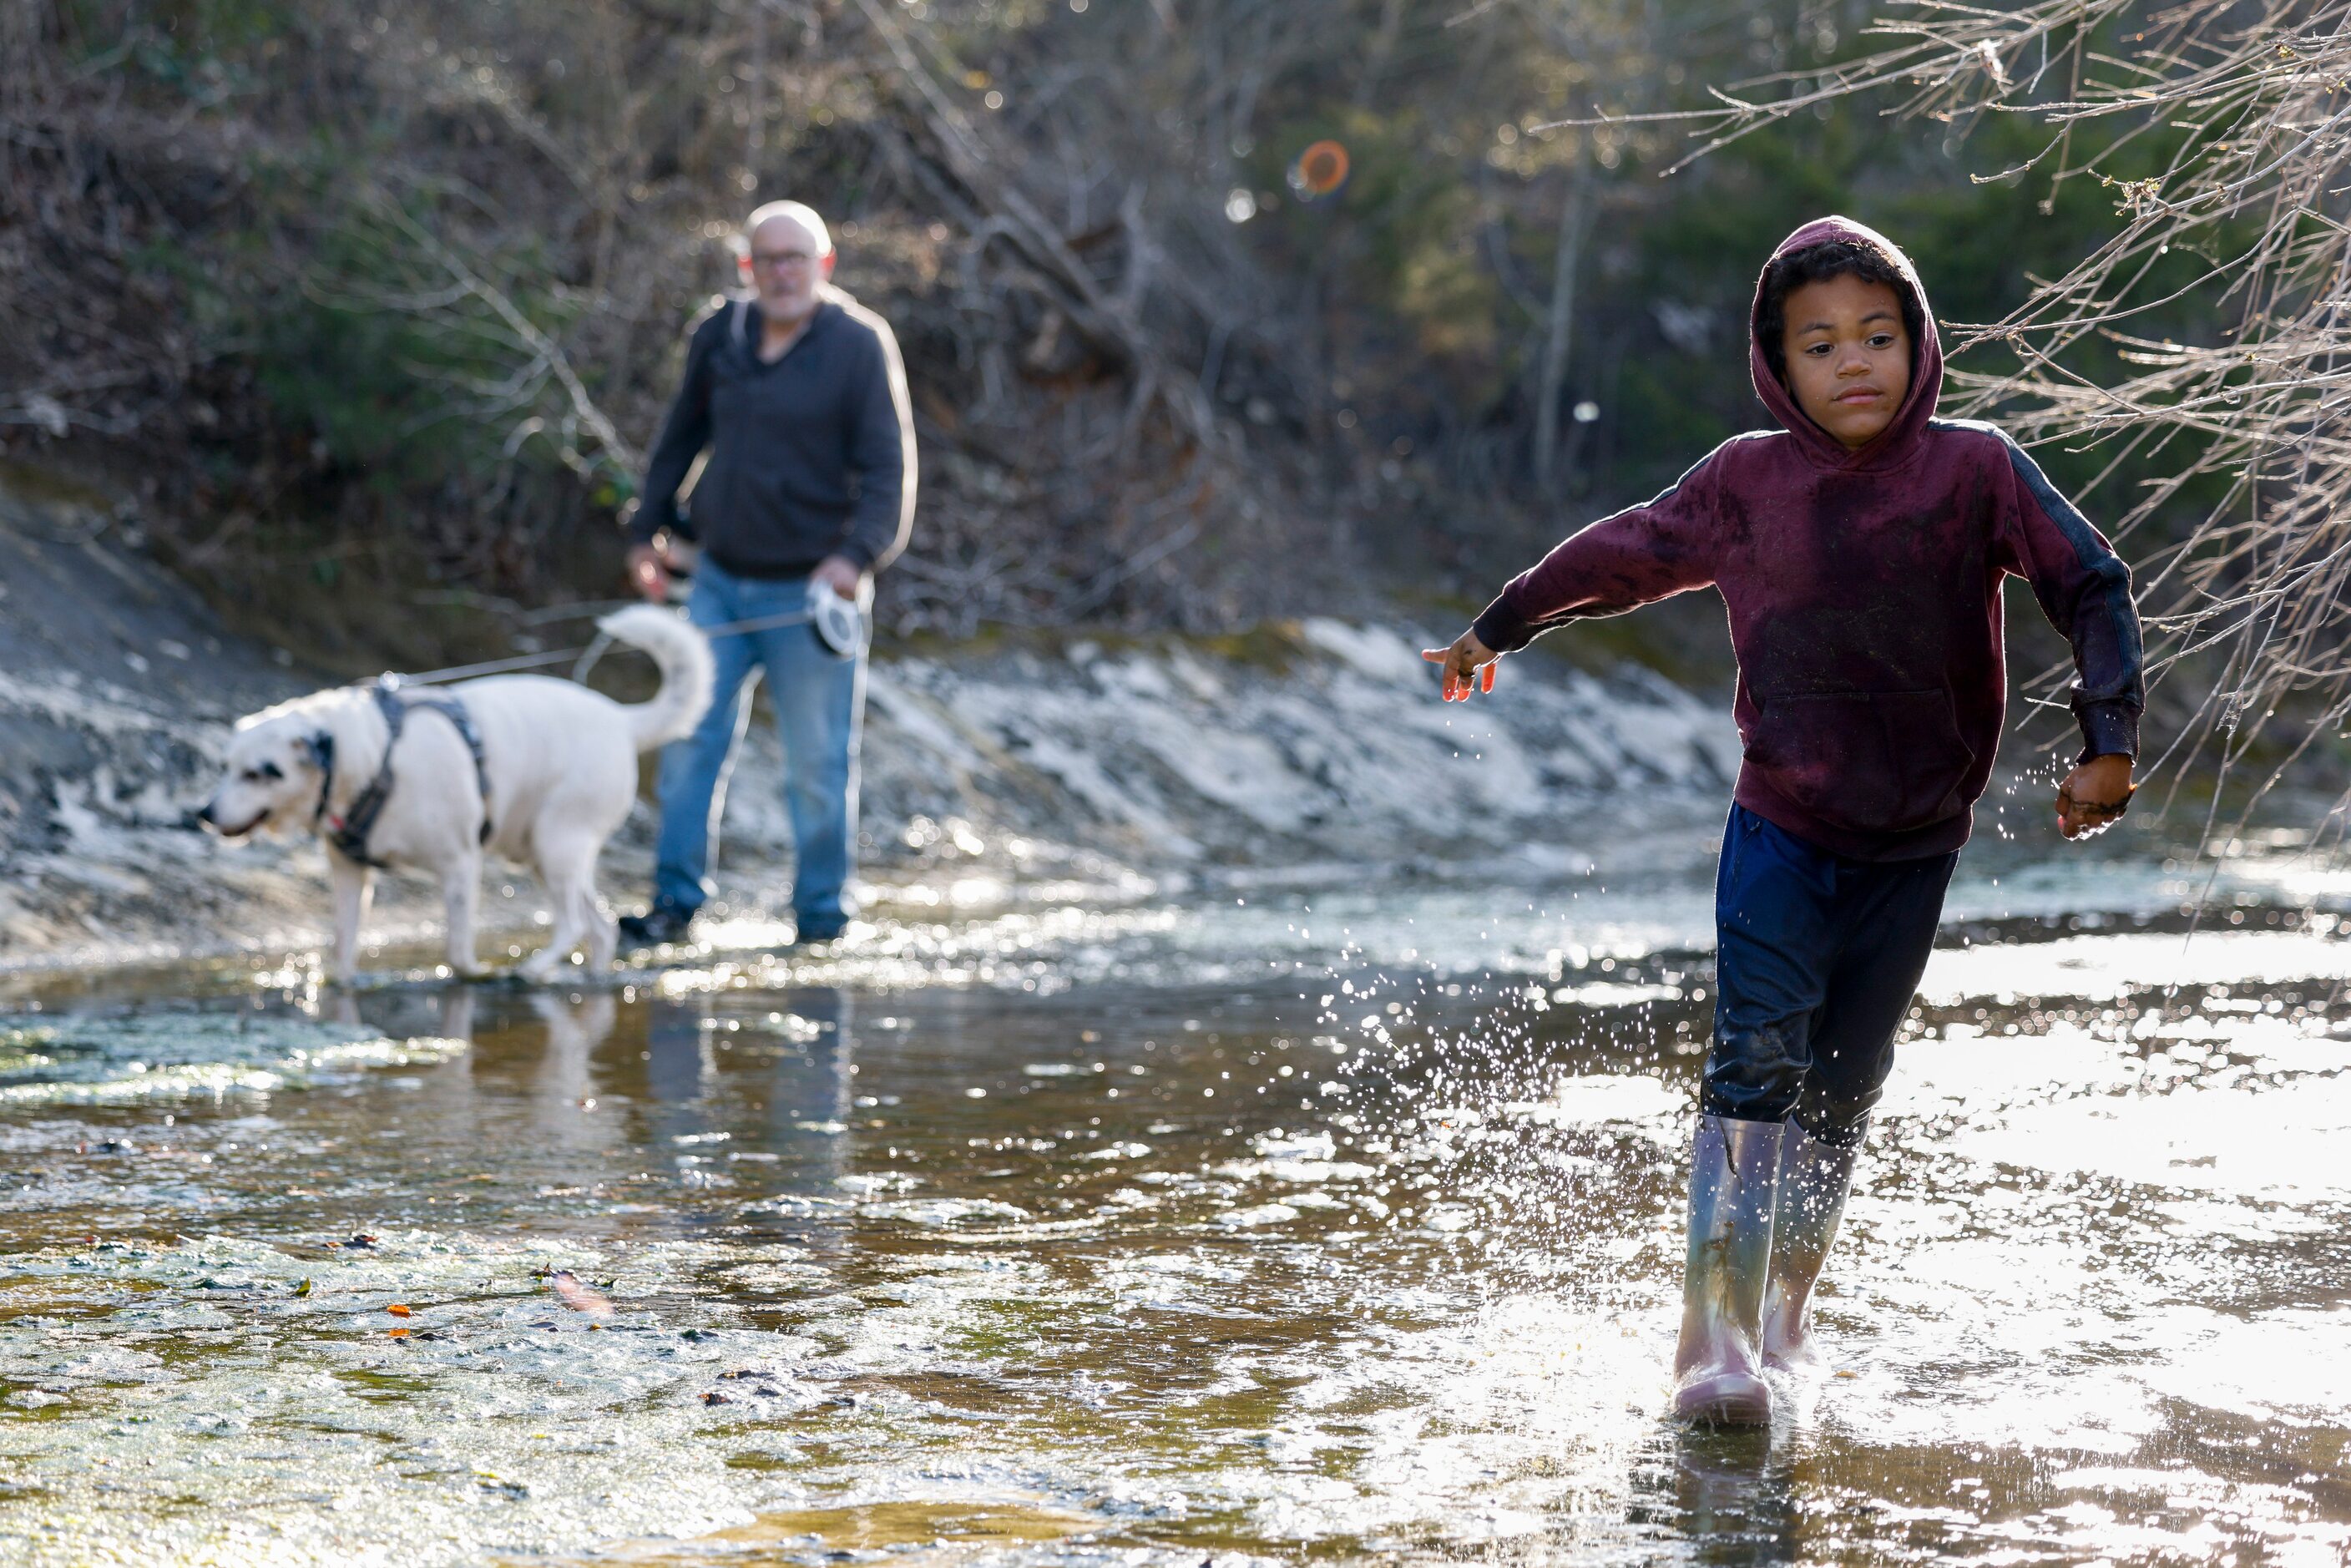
point(323, 754)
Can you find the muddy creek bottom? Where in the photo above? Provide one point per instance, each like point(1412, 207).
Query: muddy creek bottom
point(1070, 1240)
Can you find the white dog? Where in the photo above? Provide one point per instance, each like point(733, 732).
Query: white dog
point(538, 769)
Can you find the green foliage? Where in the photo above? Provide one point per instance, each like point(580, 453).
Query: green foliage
point(1977, 243)
point(406, 397)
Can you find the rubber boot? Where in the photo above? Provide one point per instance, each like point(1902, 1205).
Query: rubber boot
point(1815, 1177)
point(1734, 1190)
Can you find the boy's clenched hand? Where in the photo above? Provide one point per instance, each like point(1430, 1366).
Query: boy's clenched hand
point(1469, 666)
point(2094, 796)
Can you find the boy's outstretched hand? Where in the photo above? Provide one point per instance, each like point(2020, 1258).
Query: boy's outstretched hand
point(2094, 796)
point(1469, 666)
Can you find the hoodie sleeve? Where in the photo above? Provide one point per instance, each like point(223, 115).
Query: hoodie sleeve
point(2085, 590)
point(684, 434)
point(1640, 554)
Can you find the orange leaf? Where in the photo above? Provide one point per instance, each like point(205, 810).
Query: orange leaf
point(397, 1310)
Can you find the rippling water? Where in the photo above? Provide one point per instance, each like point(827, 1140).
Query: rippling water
point(1310, 1225)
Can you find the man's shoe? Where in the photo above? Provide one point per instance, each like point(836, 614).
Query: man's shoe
point(1815, 1177)
point(1734, 1191)
point(659, 926)
point(808, 930)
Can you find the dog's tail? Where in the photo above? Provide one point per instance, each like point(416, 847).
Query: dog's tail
point(684, 656)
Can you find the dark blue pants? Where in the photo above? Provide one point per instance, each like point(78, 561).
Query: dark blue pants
point(1817, 959)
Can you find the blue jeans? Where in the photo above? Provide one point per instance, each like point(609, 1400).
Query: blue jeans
point(819, 702)
point(1817, 959)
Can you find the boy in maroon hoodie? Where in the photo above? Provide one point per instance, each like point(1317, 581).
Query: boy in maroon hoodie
point(1860, 551)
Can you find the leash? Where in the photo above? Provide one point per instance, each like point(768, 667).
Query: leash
point(589, 653)
point(349, 831)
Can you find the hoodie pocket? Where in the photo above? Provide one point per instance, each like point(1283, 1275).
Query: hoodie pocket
point(1872, 762)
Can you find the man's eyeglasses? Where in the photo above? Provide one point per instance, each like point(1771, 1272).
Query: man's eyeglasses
point(778, 260)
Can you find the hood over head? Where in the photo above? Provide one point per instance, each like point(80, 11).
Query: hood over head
point(1926, 359)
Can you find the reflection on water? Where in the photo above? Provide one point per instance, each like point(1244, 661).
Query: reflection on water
point(1062, 1236)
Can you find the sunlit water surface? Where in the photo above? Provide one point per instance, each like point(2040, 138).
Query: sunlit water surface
point(1260, 1228)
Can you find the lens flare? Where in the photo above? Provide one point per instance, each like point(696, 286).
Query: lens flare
point(1320, 170)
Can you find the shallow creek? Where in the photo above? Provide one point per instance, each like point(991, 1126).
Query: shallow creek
point(1306, 1225)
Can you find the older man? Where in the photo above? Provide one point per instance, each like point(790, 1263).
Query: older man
point(798, 394)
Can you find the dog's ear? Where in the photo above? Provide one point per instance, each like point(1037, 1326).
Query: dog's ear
point(320, 748)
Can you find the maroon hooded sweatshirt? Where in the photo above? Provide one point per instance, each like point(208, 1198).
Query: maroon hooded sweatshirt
point(1864, 593)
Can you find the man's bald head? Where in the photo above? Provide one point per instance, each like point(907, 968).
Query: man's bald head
point(798, 214)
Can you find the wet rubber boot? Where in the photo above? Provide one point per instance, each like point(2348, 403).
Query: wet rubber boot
point(1734, 1191)
point(1815, 1177)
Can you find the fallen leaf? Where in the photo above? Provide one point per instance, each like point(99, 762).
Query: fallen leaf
point(577, 1294)
point(398, 1333)
point(397, 1310)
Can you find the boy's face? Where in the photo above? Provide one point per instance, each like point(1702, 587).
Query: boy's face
point(1848, 355)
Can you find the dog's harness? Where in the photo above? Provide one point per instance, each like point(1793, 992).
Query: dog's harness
point(348, 832)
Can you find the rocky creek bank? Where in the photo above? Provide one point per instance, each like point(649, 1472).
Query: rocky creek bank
point(1311, 750)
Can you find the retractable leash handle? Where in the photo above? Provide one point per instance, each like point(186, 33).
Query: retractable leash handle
point(838, 623)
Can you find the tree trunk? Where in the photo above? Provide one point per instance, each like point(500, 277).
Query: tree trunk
point(1383, 43)
point(759, 137)
point(1573, 215)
